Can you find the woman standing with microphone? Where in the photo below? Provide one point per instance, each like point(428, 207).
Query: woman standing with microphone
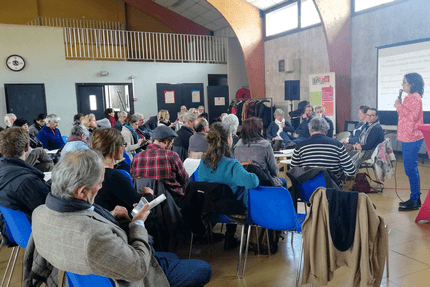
point(410, 117)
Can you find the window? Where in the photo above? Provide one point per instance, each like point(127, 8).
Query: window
point(93, 103)
point(360, 5)
point(283, 19)
point(286, 18)
point(309, 14)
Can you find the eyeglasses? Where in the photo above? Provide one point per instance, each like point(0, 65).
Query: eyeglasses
point(124, 144)
point(370, 115)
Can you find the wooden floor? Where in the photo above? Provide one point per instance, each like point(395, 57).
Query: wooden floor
point(409, 248)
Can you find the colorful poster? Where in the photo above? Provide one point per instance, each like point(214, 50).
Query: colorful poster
point(320, 80)
point(327, 94)
point(315, 98)
point(329, 108)
point(195, 95)
point(169, 97)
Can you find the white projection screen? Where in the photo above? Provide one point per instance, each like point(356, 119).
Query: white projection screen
point(394, 61)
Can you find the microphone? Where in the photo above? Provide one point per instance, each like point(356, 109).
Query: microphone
point(400, 94)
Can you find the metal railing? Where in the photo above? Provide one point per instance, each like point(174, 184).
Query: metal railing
point(77, 23)
point(83, 43)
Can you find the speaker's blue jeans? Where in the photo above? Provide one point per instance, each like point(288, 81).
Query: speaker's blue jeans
point(410, 162)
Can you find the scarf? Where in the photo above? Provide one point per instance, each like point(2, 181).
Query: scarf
point(365, 133)
point(59, 204)
point(134, 134)
point(280, 128)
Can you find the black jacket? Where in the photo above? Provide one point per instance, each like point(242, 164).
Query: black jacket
point(21, 188)
point(151, 124)
point(183, 139)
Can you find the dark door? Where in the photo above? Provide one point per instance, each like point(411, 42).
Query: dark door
point(217, 101)
point(25, 100)
point(172, 96)
point(90, 99)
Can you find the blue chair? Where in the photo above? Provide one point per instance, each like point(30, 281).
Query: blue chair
point(127, 159)
point(76, 280)
point(64, 139)
point(271, 208)
point(127, 175)
point(308, 188)
point(18, 230)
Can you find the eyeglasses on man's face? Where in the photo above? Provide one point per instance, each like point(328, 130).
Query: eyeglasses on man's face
point(370, 115)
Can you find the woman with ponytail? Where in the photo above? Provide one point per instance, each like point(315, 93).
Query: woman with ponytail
point(219, 166)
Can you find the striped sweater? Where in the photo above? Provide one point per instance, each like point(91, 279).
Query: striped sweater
point(322, 151)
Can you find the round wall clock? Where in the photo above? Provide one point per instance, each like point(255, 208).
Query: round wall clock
point(15, 63)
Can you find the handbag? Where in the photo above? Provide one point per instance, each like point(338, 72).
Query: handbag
point(361, 184)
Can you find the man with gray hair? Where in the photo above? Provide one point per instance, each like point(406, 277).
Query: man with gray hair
point(75, 235)
point(322, 151)
point(9, 119)
point(320, 112)
point(198, 141)
point(184, 134)
point(120, 122)
point(49, 135)
point(277, 132)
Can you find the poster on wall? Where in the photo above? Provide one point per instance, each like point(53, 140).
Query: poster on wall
point(169, 97)
point(322, 92)
point(195, 96)
point(219, 101)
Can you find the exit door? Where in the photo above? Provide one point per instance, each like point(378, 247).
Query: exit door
point(90, 99)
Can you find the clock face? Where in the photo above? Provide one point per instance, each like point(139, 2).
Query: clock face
point(15, 63)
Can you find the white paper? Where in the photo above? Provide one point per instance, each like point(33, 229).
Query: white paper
point(219, 101)
point(169, 97)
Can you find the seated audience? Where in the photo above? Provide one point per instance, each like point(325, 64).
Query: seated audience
point(194, 111)
point(21, 185)
point(70, 225)
point(116, 188)
point(131, 139)
point(49, 135)
point(164, 118)
point(232, 122)
point(141, 130)
point(160, 163)
point(218, 119)
point(253, 148)
point(76, 140)
point(277, 132)
point(183, 109)
point(198, 144)
point(82, 120)
point(9, 119)
point(39, 122)
point(219, 166)
point(179, 121)
point(109, 114)
point(152, 123)
point(182, 142)
point(91, 123)
point(322, 151)
point(121, 120)
point(303, 129)
point(369, 138)
point(34, 142)
point(202, 113)
point(320, 112)
point(359, 127)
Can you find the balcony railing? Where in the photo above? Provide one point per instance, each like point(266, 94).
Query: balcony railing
point(77, 23)
point(83, 43)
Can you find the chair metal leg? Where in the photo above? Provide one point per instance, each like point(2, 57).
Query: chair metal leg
point(292, 237)
point(191, 245)
point(306, 208)
point(240, 250)
point(246, 251)
point(10, 265)
point(300, 265)
point(268, 241)
point(256, 237)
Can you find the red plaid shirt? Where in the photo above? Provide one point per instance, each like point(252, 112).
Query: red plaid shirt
point(161, 164)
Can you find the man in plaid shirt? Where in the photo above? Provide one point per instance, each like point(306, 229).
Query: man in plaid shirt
point(160, 163)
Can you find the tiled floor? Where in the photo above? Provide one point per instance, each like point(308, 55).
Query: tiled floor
point(409, 248)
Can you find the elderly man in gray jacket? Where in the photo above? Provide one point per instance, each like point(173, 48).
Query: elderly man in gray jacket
point(76, 235)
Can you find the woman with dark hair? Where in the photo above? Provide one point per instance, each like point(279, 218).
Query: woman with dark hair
point(410, 117)
point(39, 122)
point(359, 127)
point(110, 115)
point(132, 140)
point(219, 166)
point(116, 188)
point(34, 142)
point(252, 147)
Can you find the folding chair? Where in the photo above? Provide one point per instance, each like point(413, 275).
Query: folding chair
point(76, 280)
point(18, 230)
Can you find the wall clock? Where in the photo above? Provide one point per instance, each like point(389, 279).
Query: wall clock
point(15, 63)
